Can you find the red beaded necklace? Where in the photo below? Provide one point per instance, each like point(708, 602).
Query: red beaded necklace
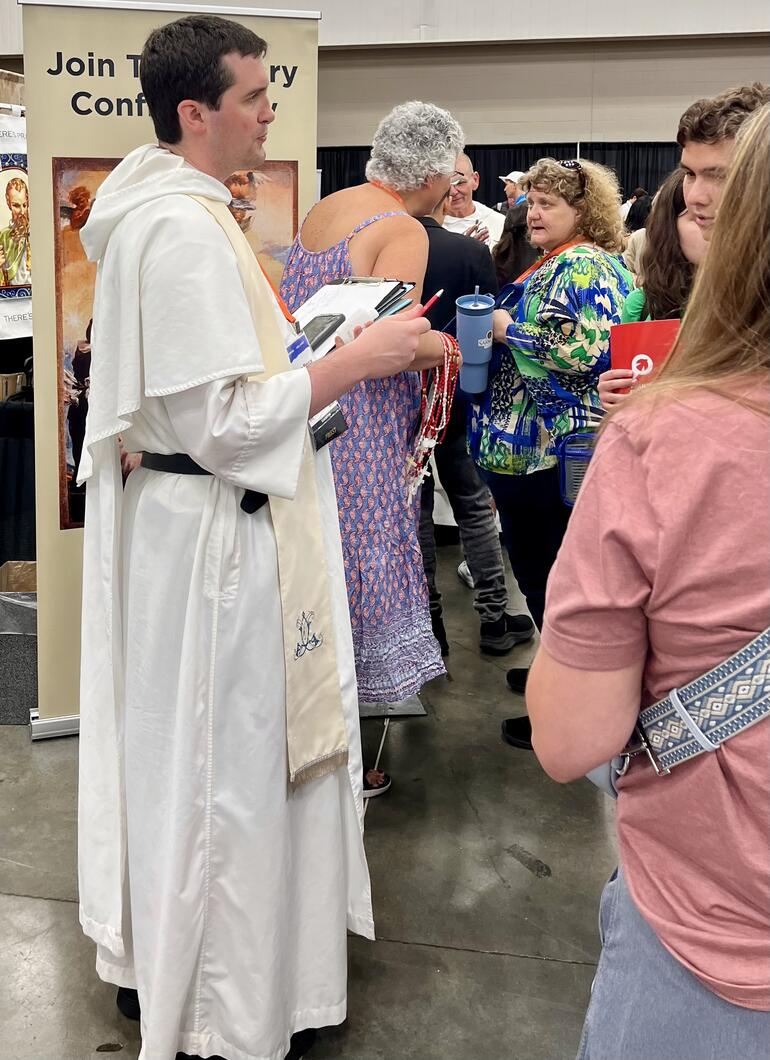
point(438, 387)
point(438, 391)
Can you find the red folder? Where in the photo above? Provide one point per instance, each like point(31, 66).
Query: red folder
point(642, 347)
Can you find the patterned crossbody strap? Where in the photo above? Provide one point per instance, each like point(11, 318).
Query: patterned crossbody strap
point(702, 715)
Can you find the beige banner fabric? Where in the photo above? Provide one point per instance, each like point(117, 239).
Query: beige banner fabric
point(85, 112)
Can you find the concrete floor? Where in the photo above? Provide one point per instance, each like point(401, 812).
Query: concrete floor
point(486, 881)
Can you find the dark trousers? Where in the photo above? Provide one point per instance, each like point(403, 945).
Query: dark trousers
point(471, 507)
point(533, 519)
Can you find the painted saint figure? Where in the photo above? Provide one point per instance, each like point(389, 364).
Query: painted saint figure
point(15, 254)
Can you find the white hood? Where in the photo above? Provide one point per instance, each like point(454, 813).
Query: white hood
point(148, 173)
point(156, 190)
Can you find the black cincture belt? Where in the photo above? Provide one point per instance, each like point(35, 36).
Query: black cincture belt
point(182, 464)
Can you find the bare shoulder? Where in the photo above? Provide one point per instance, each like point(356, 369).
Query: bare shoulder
point(398, 226)
point(338, 215)
point(340, 209)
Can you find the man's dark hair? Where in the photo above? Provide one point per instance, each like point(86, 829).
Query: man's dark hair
point(709, 121)
point(638, 214)
point(637, 193)
point(183, 60)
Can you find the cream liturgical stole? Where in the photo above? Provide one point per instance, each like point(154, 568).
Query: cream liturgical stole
point(315, 726)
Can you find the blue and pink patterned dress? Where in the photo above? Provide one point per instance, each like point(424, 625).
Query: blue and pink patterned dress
point(395, 650)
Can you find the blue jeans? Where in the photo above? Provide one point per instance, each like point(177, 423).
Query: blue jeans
point(645, 1005)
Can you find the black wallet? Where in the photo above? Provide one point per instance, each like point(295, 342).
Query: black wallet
point(328, 424)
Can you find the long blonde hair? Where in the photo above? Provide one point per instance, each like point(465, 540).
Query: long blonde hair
point(725, 334)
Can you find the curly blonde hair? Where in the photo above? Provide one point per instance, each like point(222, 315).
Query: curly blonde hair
point(596, 197)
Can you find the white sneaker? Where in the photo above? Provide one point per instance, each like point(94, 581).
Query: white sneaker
point(464, 574)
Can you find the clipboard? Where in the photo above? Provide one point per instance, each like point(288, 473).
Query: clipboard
point(386, 304)
point(358, 299)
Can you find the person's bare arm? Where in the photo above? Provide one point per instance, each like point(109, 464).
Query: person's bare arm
point(430, 352)
point(400, 253)
point(580, 718)
point(404, 256)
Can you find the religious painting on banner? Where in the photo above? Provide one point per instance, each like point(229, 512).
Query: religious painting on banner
point(75, 183)
point(15, 249)
point(265, 206)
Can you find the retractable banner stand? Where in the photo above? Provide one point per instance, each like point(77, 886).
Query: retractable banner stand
point(85, 112)
point(15, 251)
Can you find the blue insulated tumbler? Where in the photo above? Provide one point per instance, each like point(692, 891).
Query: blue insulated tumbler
point(474, 335)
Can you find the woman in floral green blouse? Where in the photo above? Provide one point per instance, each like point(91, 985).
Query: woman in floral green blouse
point(552, 343)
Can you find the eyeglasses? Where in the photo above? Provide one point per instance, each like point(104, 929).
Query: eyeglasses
point(575, 167)
point(458, 182)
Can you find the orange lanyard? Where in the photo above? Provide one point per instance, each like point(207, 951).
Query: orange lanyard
point(388, 191)
point(547, 257)
point(284, 308)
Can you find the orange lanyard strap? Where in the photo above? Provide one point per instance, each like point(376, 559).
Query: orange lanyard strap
point(388, 191)
point(547, 257)
point(284, 308)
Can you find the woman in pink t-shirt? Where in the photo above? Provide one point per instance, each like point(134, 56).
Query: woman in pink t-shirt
point(663, 575)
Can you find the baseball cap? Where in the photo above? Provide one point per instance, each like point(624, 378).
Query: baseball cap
point(514, 177)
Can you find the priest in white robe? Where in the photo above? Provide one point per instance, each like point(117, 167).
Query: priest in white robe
point(221, 855)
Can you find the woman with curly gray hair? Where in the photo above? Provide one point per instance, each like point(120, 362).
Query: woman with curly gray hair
point(372, 230)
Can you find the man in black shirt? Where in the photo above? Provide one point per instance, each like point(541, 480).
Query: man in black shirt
point(457, 263)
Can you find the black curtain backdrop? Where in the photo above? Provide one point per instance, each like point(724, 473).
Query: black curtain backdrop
point(17, 479)
point(636, 164)
point(341, 167)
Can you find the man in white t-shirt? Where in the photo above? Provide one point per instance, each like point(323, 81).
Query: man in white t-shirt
point(466, 216)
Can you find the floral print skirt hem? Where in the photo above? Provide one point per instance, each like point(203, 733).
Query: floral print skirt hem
point(392, 665)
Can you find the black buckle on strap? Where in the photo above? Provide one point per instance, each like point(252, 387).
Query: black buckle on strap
point(182, 464)
point(252, 501)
